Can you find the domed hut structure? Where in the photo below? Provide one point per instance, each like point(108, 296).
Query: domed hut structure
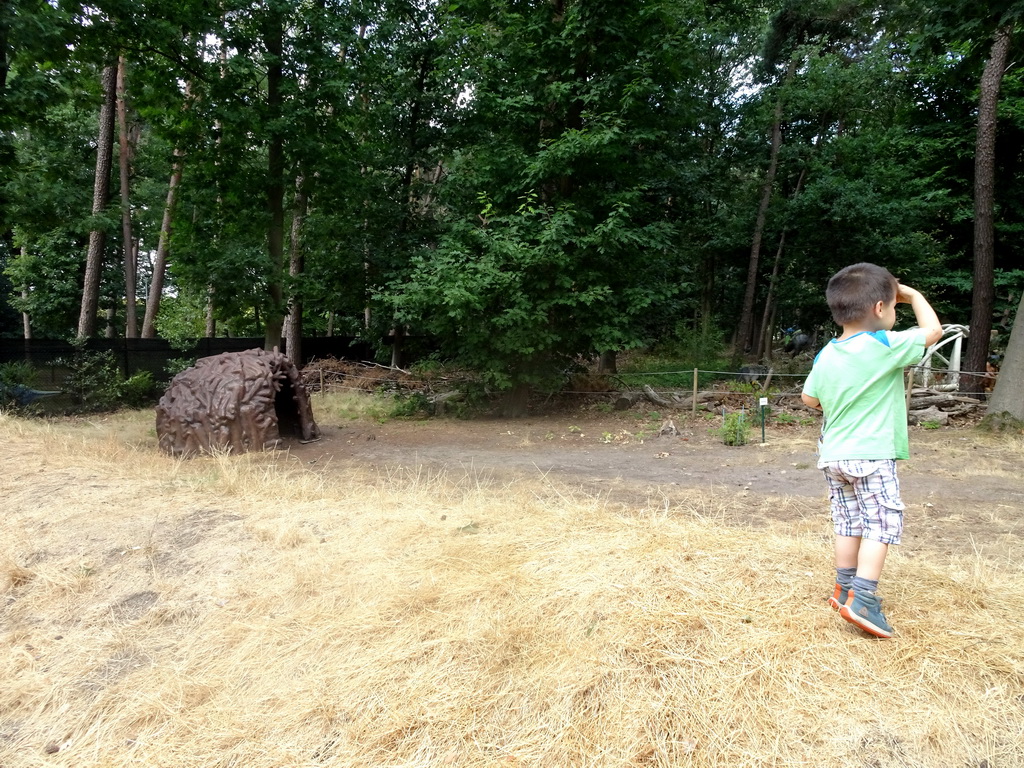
point(235, 401)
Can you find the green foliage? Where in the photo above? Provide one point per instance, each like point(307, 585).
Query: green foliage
point(176, 365)
point(137, 390)
point(523, 184)
point(735, 429)
point(14, 375)
point(411, 405)
point(93, 379)
point(18, 373)
point(181, 320)
point(512, 296)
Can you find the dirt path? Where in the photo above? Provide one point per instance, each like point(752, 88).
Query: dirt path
point(963, 491)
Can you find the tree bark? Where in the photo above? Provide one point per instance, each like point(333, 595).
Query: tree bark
point(100, 196)
point(983, 293)
point(743, 335)
point(156, 285)
point(608, 362)
point(768, 318)
point(1008, 394)
point(296, 265)
point(210, 328)
point(131, 324)
point(274, 41)
point(26, 321)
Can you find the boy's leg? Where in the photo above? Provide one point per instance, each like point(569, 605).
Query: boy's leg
point(847, 551)
point(847, 525)
point(871, 559)
point(882, 510)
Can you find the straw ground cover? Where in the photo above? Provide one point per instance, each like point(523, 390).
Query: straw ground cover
point(293, 609)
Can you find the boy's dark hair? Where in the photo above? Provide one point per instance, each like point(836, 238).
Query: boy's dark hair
point(855, 289)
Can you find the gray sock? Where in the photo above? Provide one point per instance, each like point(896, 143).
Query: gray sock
point(861, 585)
point(844, 577)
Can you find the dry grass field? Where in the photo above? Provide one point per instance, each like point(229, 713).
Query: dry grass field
point(284, 609)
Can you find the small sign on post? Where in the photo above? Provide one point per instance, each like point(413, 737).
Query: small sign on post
point(763, 402)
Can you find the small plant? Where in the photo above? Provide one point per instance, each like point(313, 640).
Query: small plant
point(426, 368)
point(575, 430)
point(137, 391)
point(786, 418)
point(93, 379)
point(410, 406)
point(607, 437)
point(930, 424)
point(15, 378)
point(17, 373)
point(735, 429)
point(604, 407)
point(176, 365)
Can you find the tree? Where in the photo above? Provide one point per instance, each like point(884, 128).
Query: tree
point(568, 155)
point(100, 198)
point(131, 329)
point(983, 294)
point(1008, 394)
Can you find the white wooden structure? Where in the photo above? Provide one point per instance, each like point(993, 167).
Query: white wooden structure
point(940, 370)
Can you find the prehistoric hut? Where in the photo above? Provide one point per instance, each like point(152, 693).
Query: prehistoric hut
point(235, 401)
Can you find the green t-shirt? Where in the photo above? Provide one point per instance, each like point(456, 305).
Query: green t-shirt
point(859, 382)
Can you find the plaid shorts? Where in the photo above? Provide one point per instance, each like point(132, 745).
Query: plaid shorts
point(865, 499)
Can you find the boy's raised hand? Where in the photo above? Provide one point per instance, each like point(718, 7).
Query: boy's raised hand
point(927, 320)
point(905, 294)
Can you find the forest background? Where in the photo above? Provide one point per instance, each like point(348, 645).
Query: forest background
point(523, 182)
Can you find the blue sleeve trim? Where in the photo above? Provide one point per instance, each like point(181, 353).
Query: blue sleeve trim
point(880, 336)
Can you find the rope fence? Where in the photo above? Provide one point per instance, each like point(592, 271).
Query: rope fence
point(759, 376)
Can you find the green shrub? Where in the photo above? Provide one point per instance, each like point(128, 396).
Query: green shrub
point(93, 380)
point(410, 406)
point(14, 376)
point(138, 391)
point(18, 373)
point(735, 429)
point(178, 364)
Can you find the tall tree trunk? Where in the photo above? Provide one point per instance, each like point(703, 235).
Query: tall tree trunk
point(983, 294)
point(1008, 394)
point(296, 265)
point(26, 321)
point(768, 318)
point(100, 196)
point(764, 334)
point(274, 41)
point(743, 335)
point(156, 285)
point(210, 329)
point(131, 324)
point(608, 362)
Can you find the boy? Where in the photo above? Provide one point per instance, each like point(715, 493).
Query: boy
point(857, 382)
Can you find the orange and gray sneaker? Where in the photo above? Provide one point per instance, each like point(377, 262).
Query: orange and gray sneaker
point(865, 611)
point(839, 597)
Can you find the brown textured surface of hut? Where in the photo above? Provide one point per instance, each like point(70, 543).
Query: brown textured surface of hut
point(235, 401)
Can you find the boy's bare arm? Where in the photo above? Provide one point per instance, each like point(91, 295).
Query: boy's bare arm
point(809, 401)
point(926, 318)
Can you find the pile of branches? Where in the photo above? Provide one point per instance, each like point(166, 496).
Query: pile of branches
point(932, 406)
point(332, 375)
point(437, 387)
